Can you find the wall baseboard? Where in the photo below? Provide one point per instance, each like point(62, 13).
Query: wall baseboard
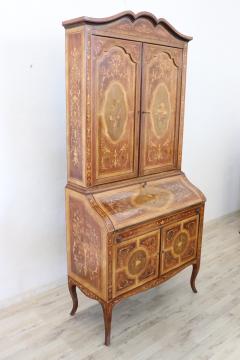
point(224, 218)
point(32, 293)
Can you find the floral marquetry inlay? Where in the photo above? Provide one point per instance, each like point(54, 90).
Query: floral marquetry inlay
point(179, 243)
point(115, 66)
point(75, 93)
point(75, 74)
point(160, 87)
point(151, 197)
point(85, 237)
point(115, 111)
point(142, 202)
point(160, 110)
point(141, 28)
point(136, 262)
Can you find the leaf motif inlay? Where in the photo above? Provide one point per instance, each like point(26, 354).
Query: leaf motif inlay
point(74, 107)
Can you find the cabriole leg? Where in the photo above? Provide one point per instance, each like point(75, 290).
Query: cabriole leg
point(73, 293)
point(107, 314)
point(193, 277)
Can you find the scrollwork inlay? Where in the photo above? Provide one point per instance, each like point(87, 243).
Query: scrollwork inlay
point(75, 114)
point(85, 236)
point(116, 78)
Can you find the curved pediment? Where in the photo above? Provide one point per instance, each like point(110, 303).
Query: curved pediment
point(142, 20)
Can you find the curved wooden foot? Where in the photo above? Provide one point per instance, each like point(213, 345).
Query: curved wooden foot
point(107, 307)
point(193, 277)
point(73, 293)
point(107, 314)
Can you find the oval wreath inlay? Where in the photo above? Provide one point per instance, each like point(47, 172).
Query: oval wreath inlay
point(161, 110)
point(151, 196)
point(180, 243)
point(137, 262)
point(115, 111)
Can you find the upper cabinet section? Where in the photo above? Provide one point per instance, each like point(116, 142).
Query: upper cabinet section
point(125, 80)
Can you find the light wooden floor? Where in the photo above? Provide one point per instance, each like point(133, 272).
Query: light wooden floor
point(169, 322)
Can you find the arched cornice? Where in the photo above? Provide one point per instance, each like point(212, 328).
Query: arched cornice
point(132, 16)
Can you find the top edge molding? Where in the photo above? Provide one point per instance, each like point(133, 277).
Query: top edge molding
point(129, 14)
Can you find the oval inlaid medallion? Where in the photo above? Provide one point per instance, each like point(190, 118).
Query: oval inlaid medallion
point(151, 196)
point(180, 243)
point(161, 109)
point(115, 111)
point(137, 262)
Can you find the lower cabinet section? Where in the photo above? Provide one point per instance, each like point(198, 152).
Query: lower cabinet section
point(147, 257)
point(109, 264)
point(135, 262)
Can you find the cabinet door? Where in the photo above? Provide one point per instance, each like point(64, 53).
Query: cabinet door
point(178, 243)
point(115, 109)
point(161, 86)
point(135, 262)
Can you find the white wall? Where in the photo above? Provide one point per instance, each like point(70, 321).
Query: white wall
point(32, 129)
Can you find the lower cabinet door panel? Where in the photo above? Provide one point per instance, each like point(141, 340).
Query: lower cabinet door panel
point(178, 243)
point(135, 262)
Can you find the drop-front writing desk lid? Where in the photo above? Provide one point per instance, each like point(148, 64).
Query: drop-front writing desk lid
point(137, 203)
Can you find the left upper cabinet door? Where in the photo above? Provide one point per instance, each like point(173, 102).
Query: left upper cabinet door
point(115, 74)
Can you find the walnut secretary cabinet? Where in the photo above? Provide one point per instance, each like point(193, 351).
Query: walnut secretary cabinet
point(133, 218)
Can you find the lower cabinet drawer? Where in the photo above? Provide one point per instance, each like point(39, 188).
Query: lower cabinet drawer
point(178, 243)
point(135, 262)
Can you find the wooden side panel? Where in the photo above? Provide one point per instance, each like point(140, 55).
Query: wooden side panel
point(135, 262)
point(86, 244)
point(179, 243)
point(75, 105)
point(115, 108)
point(161, 87)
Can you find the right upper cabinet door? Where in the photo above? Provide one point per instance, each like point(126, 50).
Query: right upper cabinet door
point(160, 108)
